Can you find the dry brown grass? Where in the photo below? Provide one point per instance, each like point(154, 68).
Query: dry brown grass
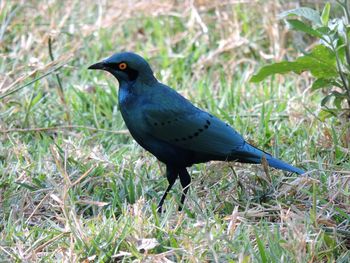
point(61, 181)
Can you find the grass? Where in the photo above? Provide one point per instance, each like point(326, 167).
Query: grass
point(74, 186)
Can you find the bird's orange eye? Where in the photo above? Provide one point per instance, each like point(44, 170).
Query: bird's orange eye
point(122, 66)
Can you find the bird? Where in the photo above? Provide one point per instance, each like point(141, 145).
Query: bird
point(171, 128)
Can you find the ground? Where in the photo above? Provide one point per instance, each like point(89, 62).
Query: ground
point(74, 186)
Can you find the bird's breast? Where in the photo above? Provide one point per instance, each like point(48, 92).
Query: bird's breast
point(131, 109)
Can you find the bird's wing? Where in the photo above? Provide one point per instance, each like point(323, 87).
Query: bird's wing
point(193, 129)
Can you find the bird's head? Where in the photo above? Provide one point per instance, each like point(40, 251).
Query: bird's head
point(126, 67)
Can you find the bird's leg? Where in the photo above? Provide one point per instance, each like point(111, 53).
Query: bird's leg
point(185, 180)
point(171, 174)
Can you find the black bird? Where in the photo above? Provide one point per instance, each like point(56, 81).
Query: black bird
point(172, 128)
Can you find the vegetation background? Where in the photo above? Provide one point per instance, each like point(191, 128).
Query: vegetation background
point(75, 187)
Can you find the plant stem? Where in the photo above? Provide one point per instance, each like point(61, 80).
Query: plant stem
point(341, 73)
point(347, 48)
point(344, 5)
point(346, 10)
point(59, 88)
point(33, 81)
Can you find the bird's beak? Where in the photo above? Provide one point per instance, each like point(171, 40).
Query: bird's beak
point(99, 65)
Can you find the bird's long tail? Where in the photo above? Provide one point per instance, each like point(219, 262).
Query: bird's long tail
point(276, 163)
point(250, 154)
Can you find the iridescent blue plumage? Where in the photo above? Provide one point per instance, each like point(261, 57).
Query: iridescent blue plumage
point(173, 129)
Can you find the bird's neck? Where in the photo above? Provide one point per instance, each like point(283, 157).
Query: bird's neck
point(136, 89)
point(126, 92)
point(147, 80)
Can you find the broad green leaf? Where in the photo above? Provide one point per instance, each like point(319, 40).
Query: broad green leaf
point(325, 100)
point(325, 14)
point(301, 26)
point(324, 30)
point(335, 94)
point(280, 67)
point(320, 62)
point(325, 114)
point(338, 99)
point(322, 83)
point(305, 12)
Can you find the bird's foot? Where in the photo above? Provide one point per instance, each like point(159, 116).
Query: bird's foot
point(159, 209)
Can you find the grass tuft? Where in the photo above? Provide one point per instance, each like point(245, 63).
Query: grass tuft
point(74, 186)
